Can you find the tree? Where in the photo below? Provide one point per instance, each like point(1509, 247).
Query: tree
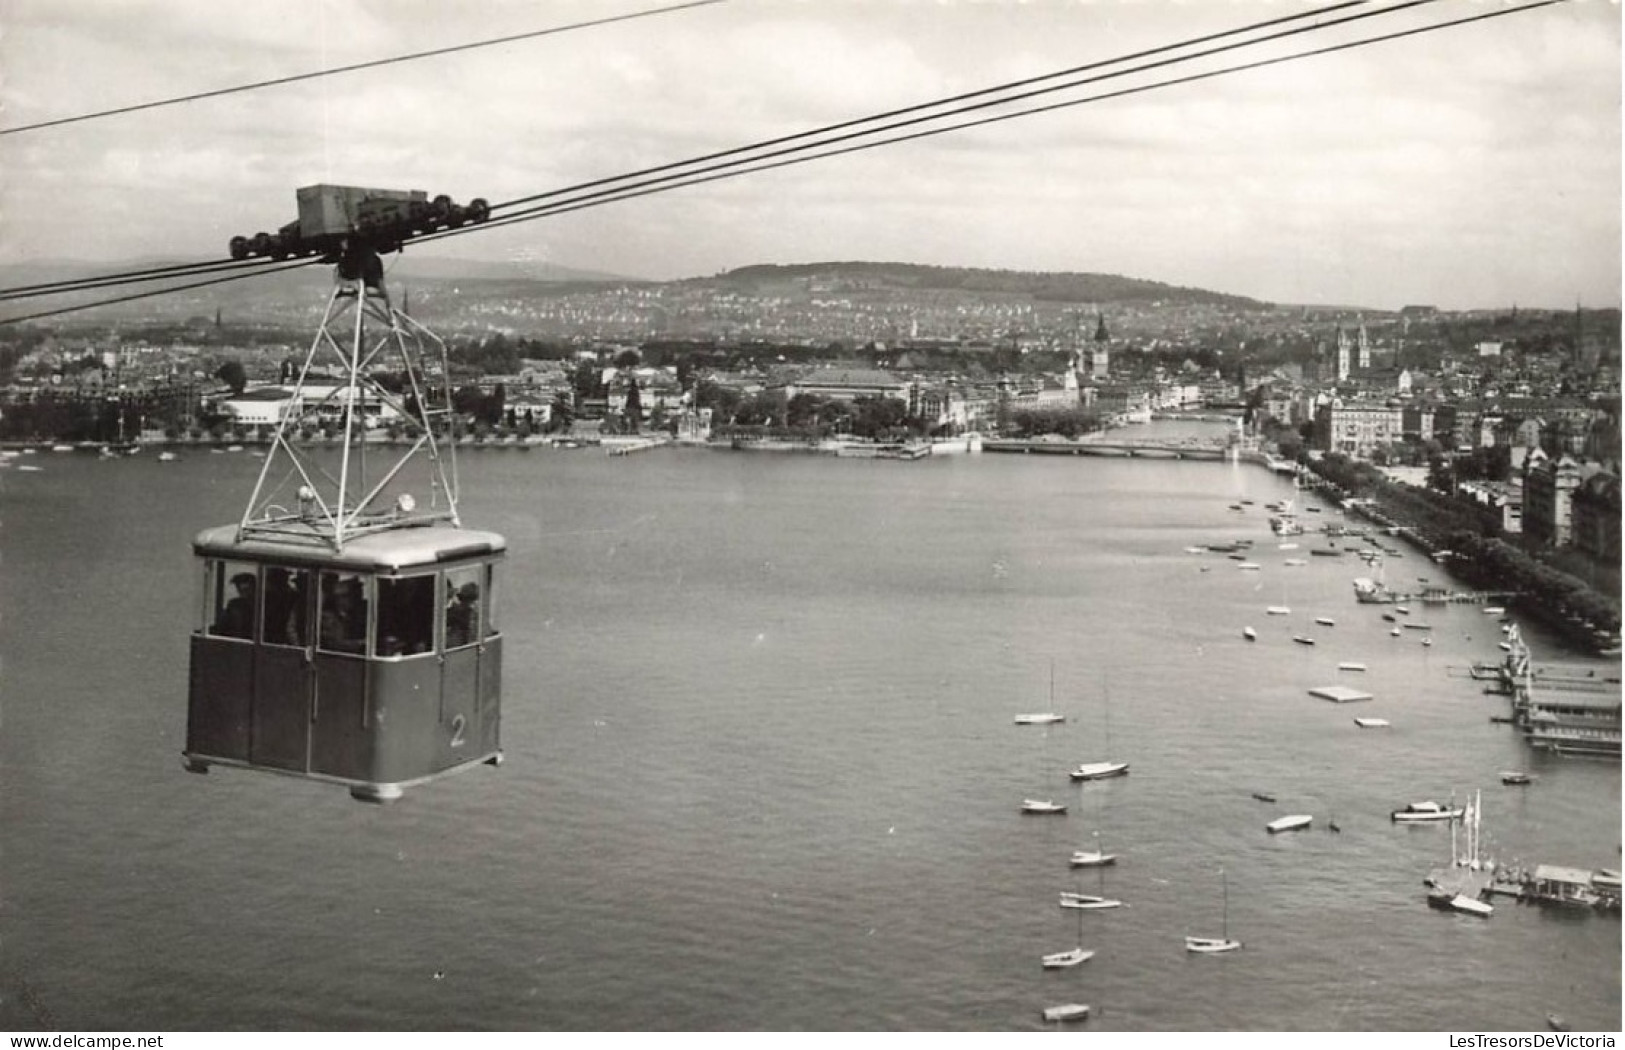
point(232, 374)
point(628, 359)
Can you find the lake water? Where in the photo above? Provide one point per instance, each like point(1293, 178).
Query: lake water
point(762, 772)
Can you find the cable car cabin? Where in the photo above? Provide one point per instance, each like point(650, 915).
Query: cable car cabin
point(378, 667)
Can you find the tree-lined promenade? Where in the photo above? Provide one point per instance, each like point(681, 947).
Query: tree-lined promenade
point(1586, 610)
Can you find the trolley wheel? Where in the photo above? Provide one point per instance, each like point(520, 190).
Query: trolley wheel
point(479, 210)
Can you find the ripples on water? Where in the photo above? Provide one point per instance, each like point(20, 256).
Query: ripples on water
point(762, 773)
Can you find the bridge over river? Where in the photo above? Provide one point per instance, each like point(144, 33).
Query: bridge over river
point(1167, 448)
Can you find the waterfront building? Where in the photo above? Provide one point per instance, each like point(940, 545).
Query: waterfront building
point(848, 384)
point(1358, 427)
point(1548, 490)
point(1595, 516)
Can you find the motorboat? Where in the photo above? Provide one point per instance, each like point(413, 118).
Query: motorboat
point(1303, 639)
point(1092, 858)
point(1062, 960)
point(1263, 796)
point(1289, 823)
point(1087, 901)
point(1515, 776)
point(1372, 723)
point(1394, 633)
point(1422, 812)
point(1099, 770)
point(1041, 806)
point(1067, 1012)
point(1471, 905)
point(1279, 610)
point(166, 457)
point(1350, 665)
point(1249, 634)
point(1296, 561)
point(1045, 719)
point(1326, 621)
point(1251, 566)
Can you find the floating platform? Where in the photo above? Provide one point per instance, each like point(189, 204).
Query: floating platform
point(1340, 694)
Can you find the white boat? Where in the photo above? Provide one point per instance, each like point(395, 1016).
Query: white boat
point(1249, 634)
point(1251, 566)
point(1033, 805)
point(1279, 610)
point(1287, 546)
point(1067, 1012)
point(1295, 561)
point(29, 468)
point(1221, 943)
point(1494, 610)
point(1092, 858)
point(1515, 777)
point(1289, 823)
point(1372, 723)
point(1102, 770)
point(1195, 550)
point(1062, 960)
point(1421, 812)
point(1099, 770)
point(1350, 665)
point(1087, 901)
point(1394, 633)
point(1326, 621)
point(1471, 905)
point(166, 457)
point(61, 448)
point(1048, 717)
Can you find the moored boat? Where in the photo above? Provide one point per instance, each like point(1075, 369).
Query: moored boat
point(1047, 718)
point(1289, 823)
point(1372, 723)
point(1061, 960)
point(1422, 812)
point(1087, 901)
point(1099, 770)
point(1249, 634)
point(1042, 806)
point(1515, 776)
point(1067, 1012)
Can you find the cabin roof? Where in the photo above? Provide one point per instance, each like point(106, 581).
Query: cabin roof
point(1556, 873)
point(388, 550)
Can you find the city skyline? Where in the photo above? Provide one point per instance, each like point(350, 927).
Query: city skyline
point(1475, 166)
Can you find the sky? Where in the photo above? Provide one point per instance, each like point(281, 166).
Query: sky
point(1475, 166)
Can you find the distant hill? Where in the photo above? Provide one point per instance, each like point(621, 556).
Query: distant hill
point(487, 292)
point(1052, 287)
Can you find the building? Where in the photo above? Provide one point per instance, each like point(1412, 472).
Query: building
point(848, 384)
point(1548, 498)
point(1358, 428)
point(1594, 516)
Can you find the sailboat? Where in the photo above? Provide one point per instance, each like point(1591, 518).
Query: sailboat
point(1090, 901)
point(1102, 770)
point(1048, 717)
point(1071, 957)
point(1222, 943)
point(1093, 858)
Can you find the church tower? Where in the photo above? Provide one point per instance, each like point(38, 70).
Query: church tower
point(1100, 355)
point(1365, 348)
point(1342, 354)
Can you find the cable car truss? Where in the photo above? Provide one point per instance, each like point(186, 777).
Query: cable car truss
point(361, 338)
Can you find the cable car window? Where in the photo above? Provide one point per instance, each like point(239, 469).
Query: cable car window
point(287, 607)
point(464, 606)
point(233, 600)
point(489, 571)
point(343, 615)
point(405, 616)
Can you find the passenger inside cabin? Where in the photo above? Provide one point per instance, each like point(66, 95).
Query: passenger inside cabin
point(237, 618)
point(284, 608)
point(462, 616)
point(344, 616)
